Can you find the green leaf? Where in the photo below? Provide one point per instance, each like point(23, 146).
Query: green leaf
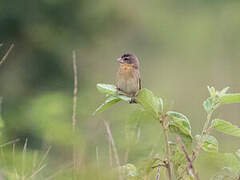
point(222, 160)
point(216, 98)
point(226, 173)
point(161, 104)
point(226, 127)
point(210, 143)
point(149, 102)
point(124, 98)
point(223, 91)
point(208, 104)
point(109, 101)
point(111, 90)
point(212, 91)
point(181, 122)
point(107, 89)
point(129, 170)
point(230, 98)
point(112, 96)
point(187, 140)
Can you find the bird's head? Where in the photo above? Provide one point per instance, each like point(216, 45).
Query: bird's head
point(129, 59)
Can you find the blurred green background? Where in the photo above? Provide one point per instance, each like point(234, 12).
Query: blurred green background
point(183, 46)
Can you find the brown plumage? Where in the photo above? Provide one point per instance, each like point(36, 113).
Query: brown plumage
point(128, 76)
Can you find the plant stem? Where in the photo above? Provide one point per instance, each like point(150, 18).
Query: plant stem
point(75, 89)
point(109, 133)
point(6, 55)
point(165, 132)
point(205, 132)
point(207, 123)
point(191, 166)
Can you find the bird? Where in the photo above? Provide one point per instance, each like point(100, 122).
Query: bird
point(128, 75)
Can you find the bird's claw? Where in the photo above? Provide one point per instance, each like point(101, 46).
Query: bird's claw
point(133, 100)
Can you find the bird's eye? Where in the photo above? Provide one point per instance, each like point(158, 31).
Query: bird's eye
point(126, 58)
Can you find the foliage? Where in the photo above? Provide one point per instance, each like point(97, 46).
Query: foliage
point(177, 123)
point(226, 127)
point(112, 96)
point(180, 125)
point(210, 143)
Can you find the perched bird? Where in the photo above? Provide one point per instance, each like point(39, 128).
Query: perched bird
point(128, 76)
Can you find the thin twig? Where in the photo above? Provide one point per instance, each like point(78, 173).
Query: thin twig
point(34, 161)
point(59, 171)
point(75, 90)
point(16, 173)
point(165, 132)
point(24, 156)
point(9, 142)
point(205, 132)
point(37, 171)
point(44, 156)
point(114, 148)
point(179, 140)
point(98, 165)
point(6, 55)
point(13, 154)
point(110, 152)
point(191, 166)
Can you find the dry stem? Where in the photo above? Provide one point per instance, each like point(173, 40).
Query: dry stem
point(114, 148)
point(10, 142)
point(110, 151)
point(191, 166)
point(74, 91)
point(74, 106)
point(6, 55)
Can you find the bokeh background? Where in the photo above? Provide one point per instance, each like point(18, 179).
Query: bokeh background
point(183, 47)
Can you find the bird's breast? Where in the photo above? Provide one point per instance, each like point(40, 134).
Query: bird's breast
point(126, 71)
point(128, 79)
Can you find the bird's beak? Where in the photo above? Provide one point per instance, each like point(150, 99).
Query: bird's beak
point(120, 60)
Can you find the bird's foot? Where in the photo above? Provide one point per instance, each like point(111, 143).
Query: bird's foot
point(133, 100)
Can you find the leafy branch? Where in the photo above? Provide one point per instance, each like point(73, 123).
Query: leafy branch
point(177, 123)
point(216, 99)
